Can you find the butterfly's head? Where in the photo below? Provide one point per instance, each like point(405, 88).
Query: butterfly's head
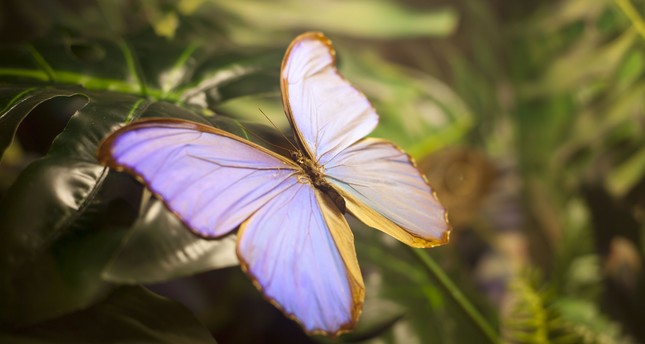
point(297, 157)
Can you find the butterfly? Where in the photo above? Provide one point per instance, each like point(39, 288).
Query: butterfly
point(293, 240)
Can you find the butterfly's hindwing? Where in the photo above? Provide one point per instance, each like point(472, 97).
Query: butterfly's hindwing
point(384, 189)
point(300, 251)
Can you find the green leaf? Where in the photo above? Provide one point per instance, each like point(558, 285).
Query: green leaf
point(587, 60)
point(96, 63)
point(51, 192)
point(571, 11)
point(626, 175)
point(535, 315)
point(17, 103)
point(145, 65)
point(64, 278)
point(374, 19)
point(159, 248)
point(584, 320)
point(632, 68)
point(417, 111)
point(528, 319)
point(231, 76)
point(128, 315)
point(45, 211)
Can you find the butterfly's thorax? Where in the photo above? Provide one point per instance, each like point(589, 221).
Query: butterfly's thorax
point(315, 174)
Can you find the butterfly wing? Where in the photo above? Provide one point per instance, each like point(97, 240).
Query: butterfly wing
point(325, 111)
point(300, 251)
point(211, 179)
point(379, 182)
point(293, 241)
point(383, 188)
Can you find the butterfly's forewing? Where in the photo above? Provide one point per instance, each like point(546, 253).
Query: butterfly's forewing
point(300, 251)
point(211, 179)
point(383, 188)
point(326, 112)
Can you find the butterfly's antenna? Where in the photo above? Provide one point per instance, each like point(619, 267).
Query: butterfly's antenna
point(249, 131)
point(278, 130)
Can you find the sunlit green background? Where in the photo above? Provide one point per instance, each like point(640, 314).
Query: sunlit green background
point(527, 116)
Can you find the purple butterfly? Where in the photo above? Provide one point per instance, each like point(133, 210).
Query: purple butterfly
point(293, 240)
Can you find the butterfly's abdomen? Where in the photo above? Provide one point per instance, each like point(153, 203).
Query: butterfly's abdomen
point(329, 190)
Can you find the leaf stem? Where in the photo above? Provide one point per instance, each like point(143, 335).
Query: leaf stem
point(133, 111)
point(628, 8)
point(133, 66)
point(456, 294)
point(90, 83)
point(40, 61)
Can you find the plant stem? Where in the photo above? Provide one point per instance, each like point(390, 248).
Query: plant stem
point(40, 61)
point(628, 8)
point(456, 294)
point(133, 68)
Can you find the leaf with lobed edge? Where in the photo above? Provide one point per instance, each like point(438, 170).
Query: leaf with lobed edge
point(159, 248)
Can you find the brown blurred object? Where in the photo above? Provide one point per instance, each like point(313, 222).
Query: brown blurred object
point(623, 263)
point(462, 178)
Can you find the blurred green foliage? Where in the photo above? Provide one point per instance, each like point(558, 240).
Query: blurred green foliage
point(528, 118)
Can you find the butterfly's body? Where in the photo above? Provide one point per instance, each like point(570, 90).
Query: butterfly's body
point(315, 175)
point(293, 240)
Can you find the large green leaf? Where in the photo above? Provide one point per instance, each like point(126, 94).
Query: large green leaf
point(64, 182)
point(128, 315)
point(159, 248)
point(48, 212)
point(45, 213)
point(17, 102)
point(223, 77)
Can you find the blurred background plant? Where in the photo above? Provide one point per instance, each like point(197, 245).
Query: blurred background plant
point(528, 118)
